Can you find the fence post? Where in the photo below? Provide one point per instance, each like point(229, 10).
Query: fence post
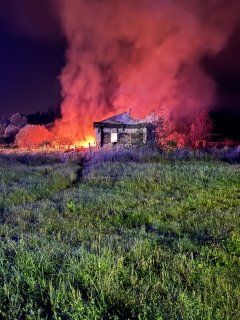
point(90, 150)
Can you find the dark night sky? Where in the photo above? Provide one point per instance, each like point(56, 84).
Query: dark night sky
point(29, 71)
point(225, 69)
point(31, 56)
point(32, 53)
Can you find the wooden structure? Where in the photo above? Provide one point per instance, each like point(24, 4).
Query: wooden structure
point(122, 129)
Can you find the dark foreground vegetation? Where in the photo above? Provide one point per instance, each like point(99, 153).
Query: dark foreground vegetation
point(124, 238)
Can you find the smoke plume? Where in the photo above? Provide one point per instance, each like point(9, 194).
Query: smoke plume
point(139, 54)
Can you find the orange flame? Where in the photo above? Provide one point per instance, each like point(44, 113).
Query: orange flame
point(89, 141)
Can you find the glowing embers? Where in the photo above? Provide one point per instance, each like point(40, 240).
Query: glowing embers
point(88, 142)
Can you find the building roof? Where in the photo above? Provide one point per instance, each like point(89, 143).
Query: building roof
point(122, 118)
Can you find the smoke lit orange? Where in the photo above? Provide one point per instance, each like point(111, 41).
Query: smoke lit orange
point(142, 55)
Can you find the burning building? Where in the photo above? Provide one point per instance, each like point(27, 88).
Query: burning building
point(122, 129)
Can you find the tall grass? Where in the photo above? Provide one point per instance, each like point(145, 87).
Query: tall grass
point(131, 238)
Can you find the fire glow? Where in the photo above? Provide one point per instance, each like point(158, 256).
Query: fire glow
point(89, 142)
point(141, 54)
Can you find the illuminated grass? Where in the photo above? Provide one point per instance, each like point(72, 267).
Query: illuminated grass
point(155, 240)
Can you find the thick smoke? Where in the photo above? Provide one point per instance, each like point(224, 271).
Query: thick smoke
point(139, 54)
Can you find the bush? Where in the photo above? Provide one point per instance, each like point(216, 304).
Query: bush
point(33, 136)
point(200, 128)
point(15, 119)
point(11, 131)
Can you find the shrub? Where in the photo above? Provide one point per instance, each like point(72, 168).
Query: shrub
point(11, 131)
point(200, 128)
point(33, 136)
point(18, 120)
point(15, 119)
point(2, 129)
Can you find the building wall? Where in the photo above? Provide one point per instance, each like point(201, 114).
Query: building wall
point(127, 136)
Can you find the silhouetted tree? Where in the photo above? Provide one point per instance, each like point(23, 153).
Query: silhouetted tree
point(16, 122)
point(43, 118)
point(200, 128)
point(161, 130)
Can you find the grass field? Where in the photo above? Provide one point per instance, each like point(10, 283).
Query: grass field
point(155, 239)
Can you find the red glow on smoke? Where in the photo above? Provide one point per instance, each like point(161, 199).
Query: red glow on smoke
point(142, 55)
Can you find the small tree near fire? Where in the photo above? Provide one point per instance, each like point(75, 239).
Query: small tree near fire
point(161, 131)
point(33, 136)
point(200, 129)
